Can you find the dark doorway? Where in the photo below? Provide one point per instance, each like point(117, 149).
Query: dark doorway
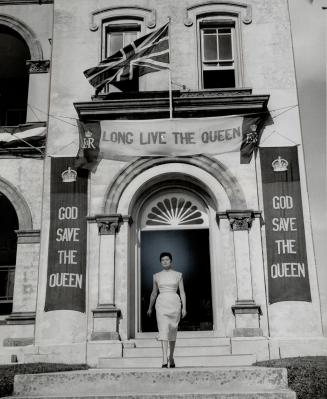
point(190, 250)
point(8, 248)
point(14, 77)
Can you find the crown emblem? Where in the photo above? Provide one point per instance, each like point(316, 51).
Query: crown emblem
point(279, 164)
point(69, 175)
point(252, 135)
point(88, 133)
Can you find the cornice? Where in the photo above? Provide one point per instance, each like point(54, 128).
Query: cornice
point(150, 105)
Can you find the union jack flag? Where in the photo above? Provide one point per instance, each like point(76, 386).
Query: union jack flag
point(149, 53)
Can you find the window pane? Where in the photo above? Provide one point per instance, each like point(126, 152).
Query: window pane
point(210, 47)
point(224, 30)
point(129, 37)
point(3, 284)
point(207, 31)
point(218, 79)
point(116, 42)
point(225, 47)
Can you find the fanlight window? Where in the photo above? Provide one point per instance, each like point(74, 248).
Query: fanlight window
point(176, 211)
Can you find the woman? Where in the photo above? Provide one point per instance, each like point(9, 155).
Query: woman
point(168, 306)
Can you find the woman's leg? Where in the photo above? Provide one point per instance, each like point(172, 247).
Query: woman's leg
point(164, 347)
point(171, 352)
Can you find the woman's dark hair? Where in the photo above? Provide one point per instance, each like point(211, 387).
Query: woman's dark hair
point(166, 254)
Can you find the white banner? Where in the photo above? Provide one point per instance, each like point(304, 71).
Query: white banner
point(124, 139)
point(174, 137)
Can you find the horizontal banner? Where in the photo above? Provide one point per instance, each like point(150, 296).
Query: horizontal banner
point(288, 278)
point(169, 137)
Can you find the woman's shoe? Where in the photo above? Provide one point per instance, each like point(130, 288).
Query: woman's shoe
point(172, 364)
point(164, 366)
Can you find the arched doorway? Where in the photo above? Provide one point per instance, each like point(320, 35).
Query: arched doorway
point(14, 77)
point(175, 219)
point(8, 249)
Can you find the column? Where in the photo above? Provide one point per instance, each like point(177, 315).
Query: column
point(246, 311)
point(106, 314)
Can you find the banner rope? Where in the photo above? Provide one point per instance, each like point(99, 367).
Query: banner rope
point(58, 117)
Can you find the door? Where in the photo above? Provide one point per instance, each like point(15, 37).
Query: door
point(188, 243)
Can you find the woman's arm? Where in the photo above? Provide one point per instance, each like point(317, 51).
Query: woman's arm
point(183, 296)
point(153, 296)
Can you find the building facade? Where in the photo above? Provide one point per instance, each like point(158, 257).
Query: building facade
point(228, 60)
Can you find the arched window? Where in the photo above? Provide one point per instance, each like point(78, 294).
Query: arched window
point(14, 77)
point(8, 248)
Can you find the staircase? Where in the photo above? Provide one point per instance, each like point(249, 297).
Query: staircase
point(200, 349)
point(205, 369)
point(179, 383)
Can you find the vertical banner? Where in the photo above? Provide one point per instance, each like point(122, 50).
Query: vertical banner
point(288, 278)
point(67, 240)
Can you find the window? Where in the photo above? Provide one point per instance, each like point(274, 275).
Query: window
point(8, 248)
point(218, 54)
point(116, 36)
point(14, 77)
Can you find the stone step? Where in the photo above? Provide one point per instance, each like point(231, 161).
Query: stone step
point(276, 394)
point(181, 361)
point(185, 341)
point(94, 382)
point(179, 351)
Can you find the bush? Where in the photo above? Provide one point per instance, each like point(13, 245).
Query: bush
point(8, 372)
point(307, 376)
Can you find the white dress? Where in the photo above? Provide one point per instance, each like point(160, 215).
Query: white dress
point(168, 304)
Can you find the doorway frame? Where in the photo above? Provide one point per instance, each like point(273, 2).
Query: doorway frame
point(222, 191)
point(173, 184)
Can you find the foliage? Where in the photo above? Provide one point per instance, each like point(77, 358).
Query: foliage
point(7, 372)
point(307, 376)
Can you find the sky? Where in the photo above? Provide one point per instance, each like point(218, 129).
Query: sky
point(308, 21)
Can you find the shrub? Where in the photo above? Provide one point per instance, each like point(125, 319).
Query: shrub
point(8, 372)
point(307, 376)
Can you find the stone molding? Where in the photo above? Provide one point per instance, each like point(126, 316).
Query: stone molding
point(240, 220)
point(210, 165)
point(28, 236)
point(21, 318)
point(109, 224)
point(19, 203)
point(153, 105)
point(215, 6)
point(246, 307)
point(106, 311)
point(255, 214)
point(38, 66)
point(25, 31)
point(123, 12)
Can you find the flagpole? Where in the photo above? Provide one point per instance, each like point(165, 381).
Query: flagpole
point(169, 75)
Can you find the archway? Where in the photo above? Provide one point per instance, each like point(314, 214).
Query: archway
point(203, 176)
